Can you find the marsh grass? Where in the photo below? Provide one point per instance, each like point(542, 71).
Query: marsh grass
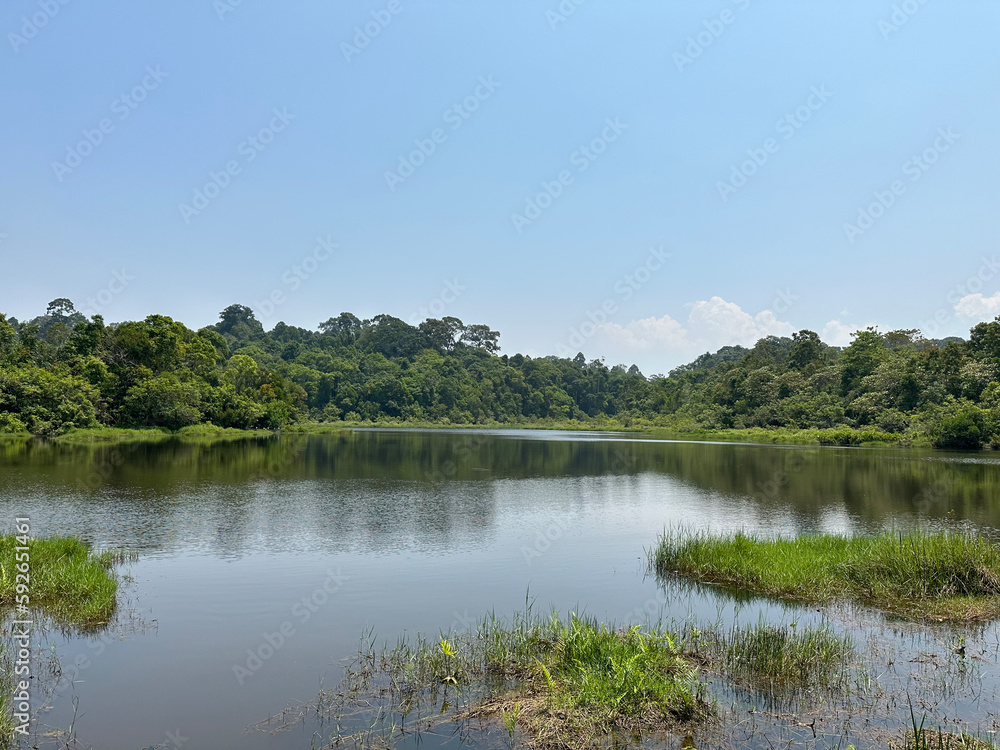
point(920, 738)
point(919, 575)
point(772, 657)
point(7, 724)
point(200, 433)
point(559, 683)
point(68, 582)
point(565, 683)
point(101, 435)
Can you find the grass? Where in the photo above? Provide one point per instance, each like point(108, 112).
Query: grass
point(96, 435)
point(567, 683)
point(929, 739)
point(919, 575)
point(563, 683)
point(768, 435)
point(7, 723)
point(775, 657)
point(194, 433)
point(932, 739)
point(782, 435)
point(67, 581)
point(573, 680)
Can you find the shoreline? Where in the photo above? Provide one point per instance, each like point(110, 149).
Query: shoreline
point(805, 437)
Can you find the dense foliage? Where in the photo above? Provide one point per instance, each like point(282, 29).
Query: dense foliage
point(61, 370)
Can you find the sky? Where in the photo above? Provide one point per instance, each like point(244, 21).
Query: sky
point(639, 181)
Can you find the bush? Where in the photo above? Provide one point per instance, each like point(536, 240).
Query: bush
point(963, 429)
point(847, 436)
point(45, 401)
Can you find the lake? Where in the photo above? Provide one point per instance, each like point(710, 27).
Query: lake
point(291, 548)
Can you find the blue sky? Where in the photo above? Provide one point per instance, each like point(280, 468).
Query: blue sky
point(744, 138)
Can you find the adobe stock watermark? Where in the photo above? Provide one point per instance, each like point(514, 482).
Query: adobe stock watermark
point(463, 449)
point(551, 533)
point(915, 168)
point(293, 279)
point(301, 612)
point(713, 29)
point(69, 671)
point(624, 288)
point(224, 7)
point(172, 741)
point(122, 106)
point(786, 127)
point(363, 36)
point(783, 300)
point(98, 303)
point(31, 25)
point(449, 294)
point(581, 158)
point(250, 148)
point(562, 13)
point(455, 116)
point(901, 15)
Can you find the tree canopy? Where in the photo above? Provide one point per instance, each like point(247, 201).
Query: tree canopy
point(61, 370)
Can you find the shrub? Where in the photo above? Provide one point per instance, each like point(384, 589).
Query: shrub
point(963, 429)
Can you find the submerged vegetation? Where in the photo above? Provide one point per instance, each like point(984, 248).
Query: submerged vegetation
point(571, 681)
point(61, 371)
point(558, 683)
point(917, 574)
point(566, 683)
point(774, 657)
point(67, 580)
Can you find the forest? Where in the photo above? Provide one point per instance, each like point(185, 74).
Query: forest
point(60, 371)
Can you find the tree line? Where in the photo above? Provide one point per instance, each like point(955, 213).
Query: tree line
point(61, 370)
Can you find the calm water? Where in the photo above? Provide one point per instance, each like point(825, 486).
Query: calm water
point(408, 531)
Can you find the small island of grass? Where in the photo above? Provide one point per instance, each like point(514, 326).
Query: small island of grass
point(565, 683)
point(920, 575)
point(66, 579)
point(568, 683)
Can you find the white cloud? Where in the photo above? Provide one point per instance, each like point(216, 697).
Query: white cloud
point(978, 306)
point(646, 333)
point(836, 333)
point(721, 323)
point(711, 324)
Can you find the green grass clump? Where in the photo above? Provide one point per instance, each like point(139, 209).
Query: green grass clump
point(620, 673)
point(102, 435)
point(772, 657)
point(850, 436)
point(67, 581)
point(194, 433)
point(920, 738)
point(566, 683)
point(918, 574)
point(928, 739)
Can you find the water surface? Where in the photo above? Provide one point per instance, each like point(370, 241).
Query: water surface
point(409, 531)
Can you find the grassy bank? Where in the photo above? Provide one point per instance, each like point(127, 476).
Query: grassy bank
point(67, 581)
point(194, 433)
point(780, 436)
point(919, 575)
point(844, 436)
